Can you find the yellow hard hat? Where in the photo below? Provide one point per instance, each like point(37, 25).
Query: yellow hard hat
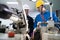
point(39, 3)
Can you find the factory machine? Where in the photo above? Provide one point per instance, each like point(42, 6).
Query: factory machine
point(19, 25)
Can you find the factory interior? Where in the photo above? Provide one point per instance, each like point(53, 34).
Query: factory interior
point(29, 20)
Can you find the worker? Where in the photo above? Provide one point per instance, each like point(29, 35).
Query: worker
point(30, 19)
point(44, 15)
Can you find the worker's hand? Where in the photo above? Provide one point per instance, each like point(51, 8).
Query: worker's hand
point(33, 33)
point(37, 28)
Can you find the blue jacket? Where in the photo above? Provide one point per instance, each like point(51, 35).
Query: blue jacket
point(46, 17)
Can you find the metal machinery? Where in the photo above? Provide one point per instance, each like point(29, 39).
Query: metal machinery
point(20, 25)
point(20, 22)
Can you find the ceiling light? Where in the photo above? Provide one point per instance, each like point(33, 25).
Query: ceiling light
point(12, 2)
point(34, 0)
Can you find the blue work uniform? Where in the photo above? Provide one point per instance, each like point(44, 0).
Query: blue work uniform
point(46, 17)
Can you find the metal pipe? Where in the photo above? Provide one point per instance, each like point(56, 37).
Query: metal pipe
point(51, 11)
point(24, 14)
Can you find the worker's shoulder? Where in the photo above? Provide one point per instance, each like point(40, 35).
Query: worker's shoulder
point(37, 15)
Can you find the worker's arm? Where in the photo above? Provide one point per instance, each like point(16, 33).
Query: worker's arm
point(55, 18)
point(37, 19)
point(35, 23)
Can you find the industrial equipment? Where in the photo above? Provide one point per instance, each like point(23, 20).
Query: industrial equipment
point(19, 21)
